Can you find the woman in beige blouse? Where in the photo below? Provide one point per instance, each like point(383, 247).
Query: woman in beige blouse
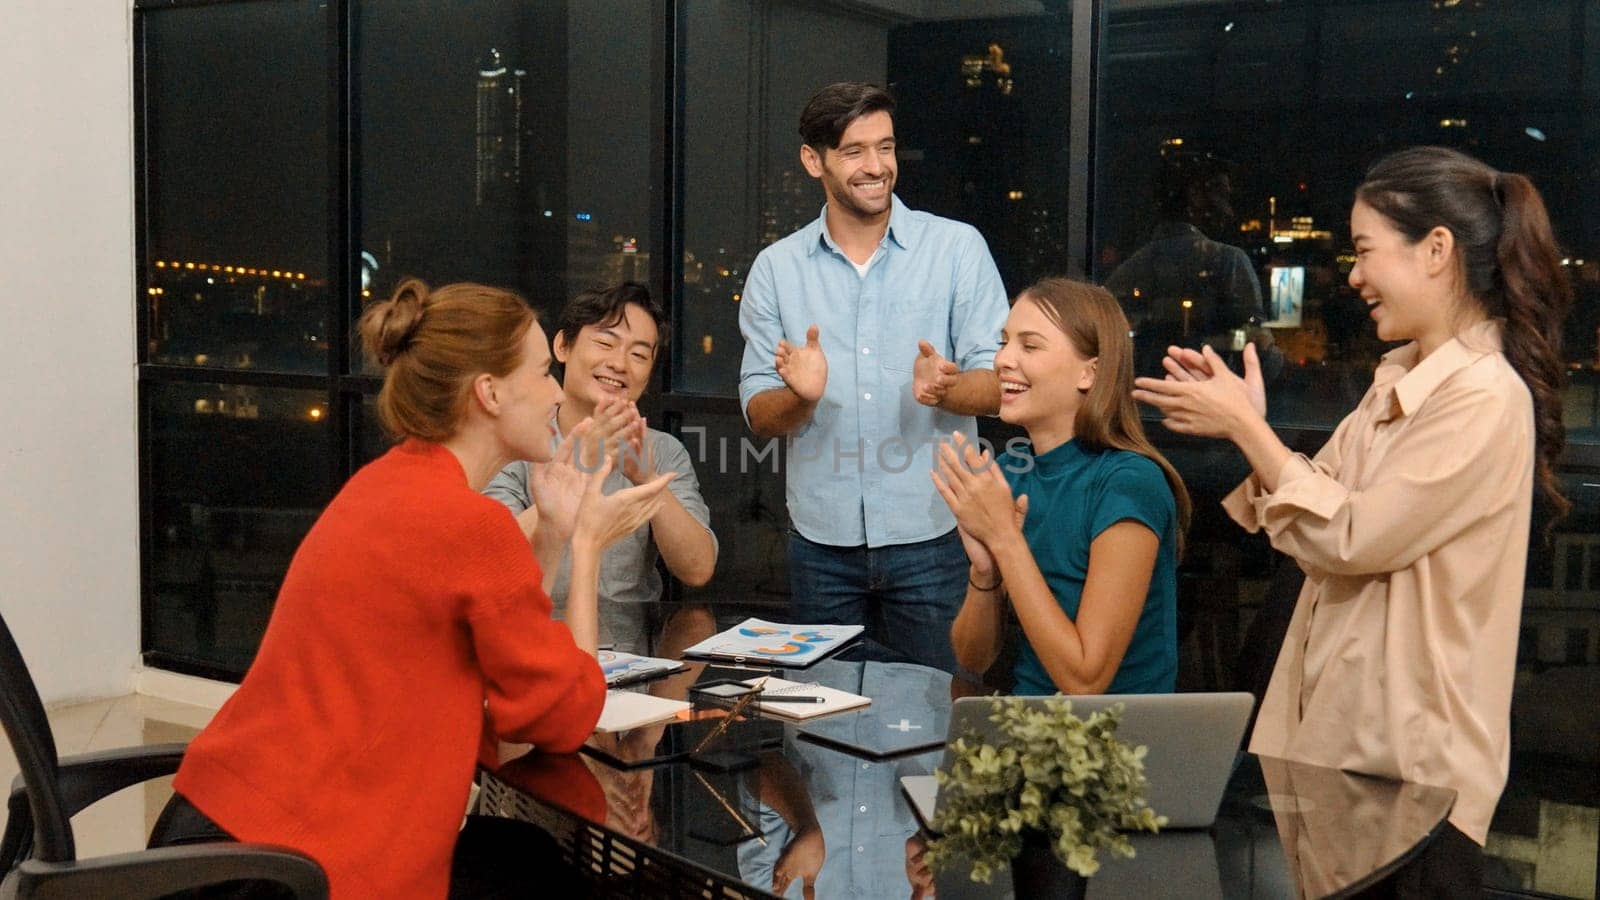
point(1412, 522)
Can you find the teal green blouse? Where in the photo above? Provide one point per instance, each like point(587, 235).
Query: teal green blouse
point(1074, 494)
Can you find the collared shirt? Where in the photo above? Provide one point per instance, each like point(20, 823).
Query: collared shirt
point(628, 575)
point(857, 473)
point(1412, 528)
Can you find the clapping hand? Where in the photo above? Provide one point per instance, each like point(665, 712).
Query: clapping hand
point(804, 368)
point(615, 419)
point(977, 493)
point(978, 555)
point(917, 871)
point(603, 519)
point(932, 375)
point(558, 486)
point(801, 858)
point(635, 453)
point(1201, 396)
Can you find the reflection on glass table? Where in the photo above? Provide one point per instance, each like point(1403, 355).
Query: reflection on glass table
point(1285, 829)
point(909, 714)
point(822, 803)
point(830, 816)
point(1342, 831)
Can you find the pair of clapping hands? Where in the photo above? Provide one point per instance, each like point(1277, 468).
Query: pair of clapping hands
point(804, 368)
point(616, 431)
point(1201, 396)
point(567, 488)
point(1198, 396)
point(976, 491)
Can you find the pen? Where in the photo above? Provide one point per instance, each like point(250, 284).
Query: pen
point(788, 698)
point(743, 822)
point(733, 713)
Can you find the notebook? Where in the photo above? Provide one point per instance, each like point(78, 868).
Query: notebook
point(774, 643)
point(626, 668)
point(625, 710)
point(833, 700)
point(1193, 742)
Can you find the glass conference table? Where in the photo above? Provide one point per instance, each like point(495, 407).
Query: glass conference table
point(824, 796)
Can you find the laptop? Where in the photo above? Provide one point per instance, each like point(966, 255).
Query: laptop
point(1193, 742)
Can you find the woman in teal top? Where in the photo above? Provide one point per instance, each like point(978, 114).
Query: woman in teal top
point(1087, 552)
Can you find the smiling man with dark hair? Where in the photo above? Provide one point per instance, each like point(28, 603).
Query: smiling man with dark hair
point(869, 334)
point(607, 341)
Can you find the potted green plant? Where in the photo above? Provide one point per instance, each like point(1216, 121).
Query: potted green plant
point(1043, 799)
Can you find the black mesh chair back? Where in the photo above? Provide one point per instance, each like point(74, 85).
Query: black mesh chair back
point(48, 828)
point(38, 860)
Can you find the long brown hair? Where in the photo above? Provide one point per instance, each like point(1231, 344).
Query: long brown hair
point(1509, 263)
point(1108, 417)
point(433, 343)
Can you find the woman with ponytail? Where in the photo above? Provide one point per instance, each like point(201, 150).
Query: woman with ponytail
point(1412, 523)
point(412, 623)
point(1087, 553)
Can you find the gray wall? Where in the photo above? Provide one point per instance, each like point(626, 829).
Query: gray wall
point(69, 571)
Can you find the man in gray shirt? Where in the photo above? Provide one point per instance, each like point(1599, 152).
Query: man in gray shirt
point(607, 341)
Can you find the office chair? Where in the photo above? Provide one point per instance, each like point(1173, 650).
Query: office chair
point(36, 852)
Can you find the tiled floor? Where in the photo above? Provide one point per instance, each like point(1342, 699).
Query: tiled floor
point(122, 821)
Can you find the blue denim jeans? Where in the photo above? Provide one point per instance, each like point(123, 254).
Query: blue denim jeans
point(906, 595)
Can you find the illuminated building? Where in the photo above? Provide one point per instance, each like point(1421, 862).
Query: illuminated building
point(989, 65)
point(500, 126)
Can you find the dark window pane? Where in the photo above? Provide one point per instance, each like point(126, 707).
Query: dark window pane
point(1543, 835)
point(740, 480)
point(236, 186)
point(1233, 139)
point(1231, 585)
point(509, 143)
point(370, 440)
point(981, 129)
point(238, 474)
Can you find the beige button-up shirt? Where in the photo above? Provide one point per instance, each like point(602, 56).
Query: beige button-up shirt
point(1412, 527)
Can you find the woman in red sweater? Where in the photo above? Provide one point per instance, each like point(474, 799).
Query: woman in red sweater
point(413, 616)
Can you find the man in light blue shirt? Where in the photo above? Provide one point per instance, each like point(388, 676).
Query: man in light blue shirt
point(870, 334)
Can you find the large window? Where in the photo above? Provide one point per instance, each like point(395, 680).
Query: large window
point(238, 473)
point(299, 156)
point(236, 187)
point(510, 143)
point(1232, 138)
point(235, 212)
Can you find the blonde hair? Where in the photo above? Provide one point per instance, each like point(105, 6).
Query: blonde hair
point(433, 343)
point(1108, 417)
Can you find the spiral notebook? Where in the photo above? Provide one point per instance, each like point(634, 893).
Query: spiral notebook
point(833, 700)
